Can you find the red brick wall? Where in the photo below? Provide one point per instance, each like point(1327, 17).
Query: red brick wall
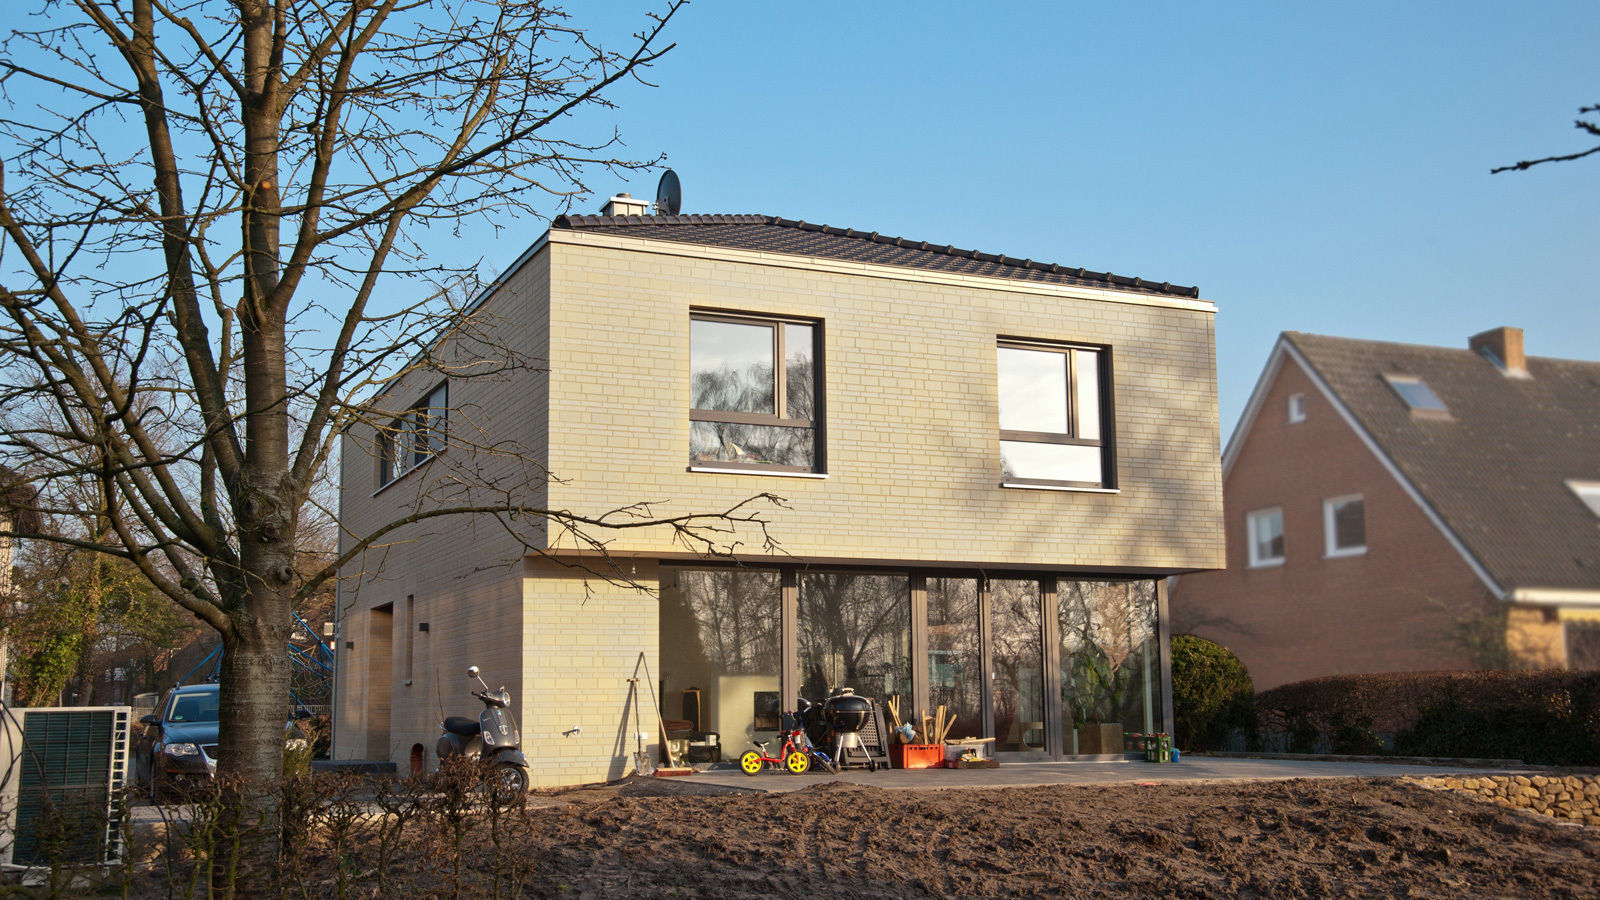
point(1313, 615)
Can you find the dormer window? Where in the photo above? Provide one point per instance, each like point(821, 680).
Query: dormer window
point(1416, 394)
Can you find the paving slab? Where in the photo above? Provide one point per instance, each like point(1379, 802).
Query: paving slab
point(1033, 774)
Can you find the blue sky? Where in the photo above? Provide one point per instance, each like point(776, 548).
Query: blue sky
point(1315, 169)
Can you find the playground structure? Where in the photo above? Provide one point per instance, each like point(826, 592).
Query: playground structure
point(310, 675)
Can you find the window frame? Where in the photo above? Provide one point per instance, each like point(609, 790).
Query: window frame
point(1297, 408)
point(415, 436)
point(780, 393)
point(1107, 418)
point(1252, 544)
point(1330, 530)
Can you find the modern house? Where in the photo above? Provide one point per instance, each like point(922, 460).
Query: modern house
point(1393, 507)
point(987, 468)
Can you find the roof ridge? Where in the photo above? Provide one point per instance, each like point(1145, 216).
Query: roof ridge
point(1440, 348)
point(577, 221)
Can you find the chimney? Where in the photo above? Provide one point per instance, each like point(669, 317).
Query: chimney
point(1503, 347)
point(624, 205)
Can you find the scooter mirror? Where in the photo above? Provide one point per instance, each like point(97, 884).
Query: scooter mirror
point(472, 671)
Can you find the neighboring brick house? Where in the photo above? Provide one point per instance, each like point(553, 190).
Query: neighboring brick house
point(1393, 507)
point(989, 466)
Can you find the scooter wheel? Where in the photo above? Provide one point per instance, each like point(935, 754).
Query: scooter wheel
point(797, 762)
point(872, 765)
point(510, 779)
point(750, 763)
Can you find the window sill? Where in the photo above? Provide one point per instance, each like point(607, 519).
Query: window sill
point(713, 470)
point(1268, 563)
point(1340, 554)
point(1059, 487)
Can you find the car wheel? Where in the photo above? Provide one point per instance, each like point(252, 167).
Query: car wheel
point(157, 793)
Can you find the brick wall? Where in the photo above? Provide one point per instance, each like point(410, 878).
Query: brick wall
point(1385, 611)
point(910, 390)
point(464, 573)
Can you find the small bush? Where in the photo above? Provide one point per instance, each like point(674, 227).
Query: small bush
point(1211, 693)
point(1547, 718)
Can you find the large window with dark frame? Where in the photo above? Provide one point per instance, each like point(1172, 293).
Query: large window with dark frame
point(1055, 425)
point(414, 437)
point(754, 393)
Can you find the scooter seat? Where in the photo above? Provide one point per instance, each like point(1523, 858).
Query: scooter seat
point(462, 725)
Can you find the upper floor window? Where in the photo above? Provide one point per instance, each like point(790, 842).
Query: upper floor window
point(1344, 525)
point(754, 401)
point(1266, 537)
point(1416, 394)
point(414, 437)
point(1297, 408)
point(1054, 415)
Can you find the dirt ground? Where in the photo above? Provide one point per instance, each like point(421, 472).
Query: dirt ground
point(1308, 838)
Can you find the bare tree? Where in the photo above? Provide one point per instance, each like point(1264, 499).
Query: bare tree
point(1590, 126)
point(204, 206)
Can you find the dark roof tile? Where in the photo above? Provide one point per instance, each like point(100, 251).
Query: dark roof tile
point(774, 235)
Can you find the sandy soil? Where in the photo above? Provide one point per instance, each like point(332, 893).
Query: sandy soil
point(1311, 838)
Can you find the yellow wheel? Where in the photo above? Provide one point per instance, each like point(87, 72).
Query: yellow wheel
point(798, 762)
point(750, 763)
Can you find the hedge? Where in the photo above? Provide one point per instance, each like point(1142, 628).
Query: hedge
point(1550, 717)
point(1211, 693)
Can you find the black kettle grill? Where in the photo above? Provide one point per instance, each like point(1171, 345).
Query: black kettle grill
point(836, 724)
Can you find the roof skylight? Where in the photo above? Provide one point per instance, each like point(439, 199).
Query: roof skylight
point(1416, 393)
point(1588, 492)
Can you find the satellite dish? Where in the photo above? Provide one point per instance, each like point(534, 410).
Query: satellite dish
point(669, 194)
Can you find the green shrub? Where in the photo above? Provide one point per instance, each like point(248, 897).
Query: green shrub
point(1547, 718)
point(1211, 693)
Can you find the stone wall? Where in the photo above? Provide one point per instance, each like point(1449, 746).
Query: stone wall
point(1575, 798)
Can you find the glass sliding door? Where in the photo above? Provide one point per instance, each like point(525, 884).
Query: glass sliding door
point(1016, 636)
point(721, 647)
point(854, 631)
point(955, 654)
point(1108, 657)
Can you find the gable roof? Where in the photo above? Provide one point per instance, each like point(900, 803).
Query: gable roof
point(771, 234)
point(1494, 471)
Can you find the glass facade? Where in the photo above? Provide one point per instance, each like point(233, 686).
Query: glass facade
point(1108, 653)
point(721, 652)
point(1017, 635)
point(855, 632)
point(1044, 665)
point(955, 653)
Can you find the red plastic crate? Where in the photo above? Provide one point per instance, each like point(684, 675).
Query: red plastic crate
point(916, 756)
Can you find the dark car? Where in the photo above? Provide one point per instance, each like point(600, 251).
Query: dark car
point(178, 743)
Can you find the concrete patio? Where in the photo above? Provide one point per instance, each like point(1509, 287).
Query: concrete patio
point(1032, 774)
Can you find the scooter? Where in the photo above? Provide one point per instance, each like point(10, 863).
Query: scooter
point(494, 738)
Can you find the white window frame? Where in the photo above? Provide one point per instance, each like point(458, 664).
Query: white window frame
point(1297, 408)
point(1256, 560)
point(1330, 532)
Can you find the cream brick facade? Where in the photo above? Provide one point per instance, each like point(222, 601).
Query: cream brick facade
point(908, 375)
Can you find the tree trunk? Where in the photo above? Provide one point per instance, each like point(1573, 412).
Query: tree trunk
point(255, 688)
